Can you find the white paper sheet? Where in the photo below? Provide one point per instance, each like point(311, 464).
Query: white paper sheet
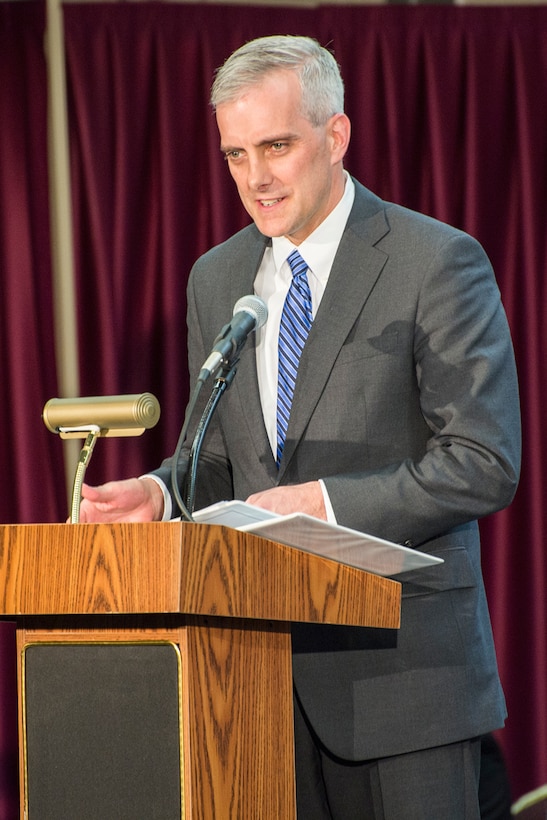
point(332, 541)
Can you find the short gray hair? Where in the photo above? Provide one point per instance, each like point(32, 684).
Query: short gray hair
point(318, 72)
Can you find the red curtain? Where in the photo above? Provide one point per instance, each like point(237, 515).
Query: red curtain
point(31, 460)
point(31, 483)
point(449, 117)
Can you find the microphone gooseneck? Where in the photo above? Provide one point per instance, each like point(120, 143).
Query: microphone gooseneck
point(250, 313)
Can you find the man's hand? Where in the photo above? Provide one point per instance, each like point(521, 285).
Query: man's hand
point(135, 499)
point(305, 498)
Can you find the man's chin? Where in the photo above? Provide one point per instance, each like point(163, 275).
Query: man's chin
point(271, 227)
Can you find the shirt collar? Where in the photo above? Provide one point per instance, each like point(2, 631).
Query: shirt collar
point(319, 248)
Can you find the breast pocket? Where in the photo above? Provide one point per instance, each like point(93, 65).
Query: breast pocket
point(356, 347)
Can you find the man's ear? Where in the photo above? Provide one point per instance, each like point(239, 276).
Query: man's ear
point(339, 131)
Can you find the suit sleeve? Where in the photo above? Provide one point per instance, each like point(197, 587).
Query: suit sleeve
point(214, 463)
point(468, 398)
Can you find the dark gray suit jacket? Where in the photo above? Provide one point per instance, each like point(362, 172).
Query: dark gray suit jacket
point(407, 406)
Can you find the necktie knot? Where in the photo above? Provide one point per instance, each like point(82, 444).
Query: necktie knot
point(299, 291)
point(297, 264)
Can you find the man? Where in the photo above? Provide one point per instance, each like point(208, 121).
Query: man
point(404, 423)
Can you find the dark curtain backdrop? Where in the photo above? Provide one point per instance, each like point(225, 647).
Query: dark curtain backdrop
point(31, 461)
point(449, 116)
point(31, 483)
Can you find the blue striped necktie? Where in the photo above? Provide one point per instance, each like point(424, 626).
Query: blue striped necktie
point(296, 321)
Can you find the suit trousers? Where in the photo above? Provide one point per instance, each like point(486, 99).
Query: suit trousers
point(431, 784)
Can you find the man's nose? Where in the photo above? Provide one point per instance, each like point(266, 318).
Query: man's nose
point(259, 173)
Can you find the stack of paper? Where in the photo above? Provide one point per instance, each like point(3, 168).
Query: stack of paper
point(319, 537)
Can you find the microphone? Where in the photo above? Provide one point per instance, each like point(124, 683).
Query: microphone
point(250, 313)
point(113, 415)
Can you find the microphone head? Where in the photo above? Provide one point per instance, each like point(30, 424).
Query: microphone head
point(255, 306)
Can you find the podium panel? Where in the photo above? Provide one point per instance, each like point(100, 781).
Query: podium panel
point(154, 665)
point(102, 731)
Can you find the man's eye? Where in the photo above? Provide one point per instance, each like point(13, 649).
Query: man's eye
point(232, 155)
point(278, 146)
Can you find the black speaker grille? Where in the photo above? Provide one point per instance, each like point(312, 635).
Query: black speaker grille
point(103, 733)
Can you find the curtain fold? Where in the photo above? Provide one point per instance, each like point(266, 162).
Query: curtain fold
point(31, 486)
point(449, 117)
point(32, 469)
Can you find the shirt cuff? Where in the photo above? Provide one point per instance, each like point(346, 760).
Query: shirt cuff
point(331, 518)
point(167, 503)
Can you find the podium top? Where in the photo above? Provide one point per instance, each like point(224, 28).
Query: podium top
point(177, 567)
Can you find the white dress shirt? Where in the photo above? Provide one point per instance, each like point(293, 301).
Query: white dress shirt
point(272, 283)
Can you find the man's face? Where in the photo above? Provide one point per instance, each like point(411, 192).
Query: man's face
point(288, 173)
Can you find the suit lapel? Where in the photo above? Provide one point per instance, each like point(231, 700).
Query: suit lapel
point(244, 268)
point(356, 268)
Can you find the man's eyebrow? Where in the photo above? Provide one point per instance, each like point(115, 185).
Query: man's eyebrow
point(278, 138)
point(225, 149)
point(266, 141)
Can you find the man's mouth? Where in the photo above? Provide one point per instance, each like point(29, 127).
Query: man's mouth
point(269, 203)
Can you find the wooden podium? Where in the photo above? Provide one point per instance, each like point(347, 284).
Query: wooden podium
point(154, 665)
